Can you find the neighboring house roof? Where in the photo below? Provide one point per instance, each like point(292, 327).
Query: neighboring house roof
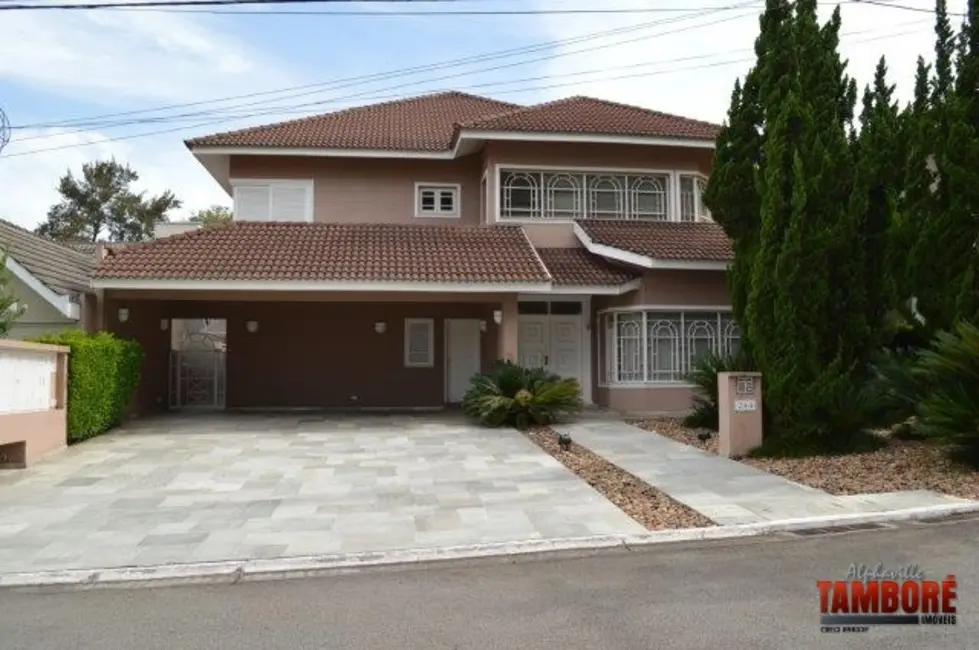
point(587, 115)
point(83, 247)
point(424, 123)
point(651, 243)
point(576, 267)
point(431, 123)
point(333, 253)
point(64, 271)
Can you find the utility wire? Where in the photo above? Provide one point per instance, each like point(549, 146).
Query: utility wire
point(892, 5)
point(313, 88)
point(371, 95)
point(502, 92)
point(188, 5)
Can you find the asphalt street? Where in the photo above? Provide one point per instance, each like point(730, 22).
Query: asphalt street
point(753, 594)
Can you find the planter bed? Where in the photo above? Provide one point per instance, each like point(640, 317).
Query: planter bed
point(638, 499)
point(901, 465)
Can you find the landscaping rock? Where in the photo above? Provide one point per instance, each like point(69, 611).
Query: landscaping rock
point(638, 499)
point(901, 465)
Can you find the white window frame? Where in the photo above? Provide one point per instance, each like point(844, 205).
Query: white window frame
point(607, 326)
point(700, 212)
point(438, 213)
point(430, 361)
point(673, 207)
point(307, 184)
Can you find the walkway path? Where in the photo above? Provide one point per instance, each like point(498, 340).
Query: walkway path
point(724, 490)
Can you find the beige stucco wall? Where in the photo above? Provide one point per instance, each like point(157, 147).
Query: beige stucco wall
point(40, 316)
point(352, 190)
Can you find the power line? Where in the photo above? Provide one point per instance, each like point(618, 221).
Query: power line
point(165, 5)
point(372, 95)
point(502, 92)
point(98, 121)
point(891, 5)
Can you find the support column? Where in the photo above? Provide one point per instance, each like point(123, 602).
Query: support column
point(508, 330)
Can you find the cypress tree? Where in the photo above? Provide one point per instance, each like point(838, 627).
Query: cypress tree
point(732, 193)
point(877, 184)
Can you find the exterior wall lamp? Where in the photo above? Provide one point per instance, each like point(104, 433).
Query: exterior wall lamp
point(251, 326)
point(380, 327)
point(164, 324)
point(497, 316)
point(123, 314)
point(482, 326)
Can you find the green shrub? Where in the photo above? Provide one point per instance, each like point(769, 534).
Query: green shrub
point(512, 395)
point(948, 410)
point(103, 372)
point(704, 412)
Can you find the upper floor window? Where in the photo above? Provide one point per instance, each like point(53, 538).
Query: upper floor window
point(436, 200)
point(577, 195)
point(256, 200)
point(692, 206)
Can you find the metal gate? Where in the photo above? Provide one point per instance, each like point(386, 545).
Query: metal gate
point(197, 363)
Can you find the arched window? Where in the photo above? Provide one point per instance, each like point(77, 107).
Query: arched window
point(629, 348)
point(700, 340)
point(648, 198)
point(563, 196)
point(606, 197)
point(732, 337)
point(663, 350)
point(521, 195)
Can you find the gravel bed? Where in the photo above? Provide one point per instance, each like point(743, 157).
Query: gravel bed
point(901, 465)
point(638, 499)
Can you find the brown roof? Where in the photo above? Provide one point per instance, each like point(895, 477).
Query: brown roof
point(425, 123)
point(687, 242)
point(60, 268)
point(594, 116)
point(332, 252)
point(579, 268)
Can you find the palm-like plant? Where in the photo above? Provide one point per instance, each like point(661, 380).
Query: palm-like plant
point(512, 395)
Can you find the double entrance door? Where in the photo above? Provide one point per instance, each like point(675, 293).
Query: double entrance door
point(550, 337)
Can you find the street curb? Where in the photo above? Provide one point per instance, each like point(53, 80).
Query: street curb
point(233, 571)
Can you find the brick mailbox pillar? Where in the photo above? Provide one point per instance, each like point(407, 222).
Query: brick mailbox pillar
point(739, 404)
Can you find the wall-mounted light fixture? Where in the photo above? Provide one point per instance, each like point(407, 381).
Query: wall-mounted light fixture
point(164, 324)
point(252, 326)
point(123, 314)
point(482, 326)
point(497, 316)
point(380, 327)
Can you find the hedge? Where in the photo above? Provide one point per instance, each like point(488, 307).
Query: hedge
point(103, 372)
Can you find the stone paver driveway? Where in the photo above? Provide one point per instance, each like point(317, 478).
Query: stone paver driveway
point(216, 487)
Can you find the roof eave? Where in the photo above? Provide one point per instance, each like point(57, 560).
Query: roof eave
point(62, 303)
point(644, 261)
point(150, 284)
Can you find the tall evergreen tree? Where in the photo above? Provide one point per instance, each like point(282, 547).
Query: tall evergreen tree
point(878, 181)
point(732, 192)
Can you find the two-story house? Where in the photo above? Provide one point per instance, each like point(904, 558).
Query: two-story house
point(380, 256)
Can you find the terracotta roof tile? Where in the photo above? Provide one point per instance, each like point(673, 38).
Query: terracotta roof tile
point(594, 116)
point(61, 269)
point(425, 123)
point(688, 242)
point(579, 268)
point(331, 252)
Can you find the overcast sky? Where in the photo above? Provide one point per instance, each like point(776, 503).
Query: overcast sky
point(58, 66)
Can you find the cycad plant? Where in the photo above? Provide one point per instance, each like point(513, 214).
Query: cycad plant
point(512, 395)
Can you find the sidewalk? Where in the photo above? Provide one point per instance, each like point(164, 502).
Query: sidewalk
point(724, 490)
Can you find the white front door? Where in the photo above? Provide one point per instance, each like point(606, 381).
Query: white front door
point(552, 342)
point(462, 359)
point(565, 355)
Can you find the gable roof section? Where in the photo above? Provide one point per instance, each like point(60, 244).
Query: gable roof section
point(330, 256)
point(424, 123)
point(576, 268)
point(590, 116)
point(62, 270)
point(657, 244)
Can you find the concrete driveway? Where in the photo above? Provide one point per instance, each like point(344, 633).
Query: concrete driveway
point(191, 488)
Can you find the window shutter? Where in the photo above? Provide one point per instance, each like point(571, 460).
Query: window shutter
point(251, 203)
point(419, 337)
point(289, 203)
